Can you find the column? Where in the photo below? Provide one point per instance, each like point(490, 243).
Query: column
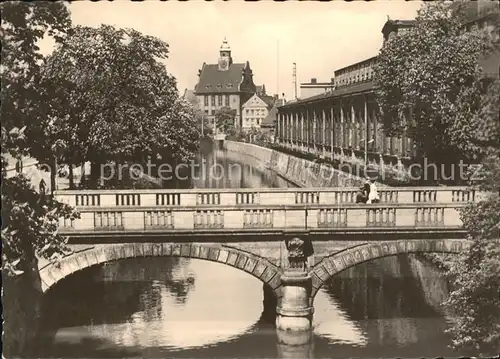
point(333, 130)
point(404, 145)
point(342, 143)
point(354, 133)
point(278, 128)
point(283, 123)
point(294, 313)
point(323, 131)
point(349, 128)
point(287, 130)
point(301, 130)
point(366, 132)
point(413, 152)
point(308, 129)
point(315, 131)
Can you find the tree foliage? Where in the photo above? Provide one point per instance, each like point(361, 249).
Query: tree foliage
point(29, 219)
point(127, 108)
point(433, 71)
point(475, 300)
point(225, 120)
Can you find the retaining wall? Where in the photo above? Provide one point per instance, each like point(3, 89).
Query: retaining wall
point(301, 172)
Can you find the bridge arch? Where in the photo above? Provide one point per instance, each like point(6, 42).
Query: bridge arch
point(350, 257)
point(252, 264)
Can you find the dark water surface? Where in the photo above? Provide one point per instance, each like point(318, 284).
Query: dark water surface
point(190, 308)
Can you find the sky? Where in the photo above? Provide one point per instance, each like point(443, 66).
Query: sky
point(319, 37)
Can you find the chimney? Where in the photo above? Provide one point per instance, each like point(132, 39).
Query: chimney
point(313, 80)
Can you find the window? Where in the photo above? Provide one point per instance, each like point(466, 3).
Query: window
point(206, 100)
point(219, 100)
point(227, 100)
point(206, 111)
point(213, 100)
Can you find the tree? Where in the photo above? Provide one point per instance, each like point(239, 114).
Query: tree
point(127, 109)
point(433, 71)
point(29, 219)
point(225, 120)
point(475, 299)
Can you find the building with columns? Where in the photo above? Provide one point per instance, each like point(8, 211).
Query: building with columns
point(225, 83)
point(343, 124)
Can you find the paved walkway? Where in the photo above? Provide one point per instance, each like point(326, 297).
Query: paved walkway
point(31, 171)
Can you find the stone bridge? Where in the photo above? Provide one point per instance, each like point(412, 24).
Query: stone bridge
point(293, 240)
point(292, 290)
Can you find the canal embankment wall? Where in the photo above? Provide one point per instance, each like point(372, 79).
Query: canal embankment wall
point(299, 171)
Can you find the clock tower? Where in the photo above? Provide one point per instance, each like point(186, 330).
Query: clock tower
point(225, 59)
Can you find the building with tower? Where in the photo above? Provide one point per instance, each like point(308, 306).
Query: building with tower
point(224, 83)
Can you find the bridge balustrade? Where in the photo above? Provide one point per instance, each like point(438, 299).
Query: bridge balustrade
point(266, 218)
point(266, 197)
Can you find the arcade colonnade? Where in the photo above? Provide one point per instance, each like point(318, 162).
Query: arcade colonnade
point(343, 124)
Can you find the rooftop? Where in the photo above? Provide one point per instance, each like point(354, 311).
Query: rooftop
point(214, 81)
point(339, 92)
point(268, 121)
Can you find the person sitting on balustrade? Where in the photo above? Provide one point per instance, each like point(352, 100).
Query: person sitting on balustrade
point(373, 196)
point(364, 192)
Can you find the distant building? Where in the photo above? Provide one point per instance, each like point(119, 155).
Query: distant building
point(224, 84)
point(253, 112)
point(359, 72)
point(484, 14)
point(345, 123)
point(313, 88)
point(392, 28)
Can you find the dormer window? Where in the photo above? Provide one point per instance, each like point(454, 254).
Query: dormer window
point(229, 86)
point(208, 86)
point(219, 86)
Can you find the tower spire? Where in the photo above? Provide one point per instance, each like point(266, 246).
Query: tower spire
point(225, 59)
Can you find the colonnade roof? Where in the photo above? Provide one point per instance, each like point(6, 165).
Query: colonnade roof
point(357, 88)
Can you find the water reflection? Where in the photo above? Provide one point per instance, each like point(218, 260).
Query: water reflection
point(168, 307)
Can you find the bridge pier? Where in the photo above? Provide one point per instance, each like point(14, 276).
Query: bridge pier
point(269, 304)
point(294, 345)
point(294, 313)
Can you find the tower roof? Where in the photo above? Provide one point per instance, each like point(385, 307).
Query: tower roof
point(225, 46)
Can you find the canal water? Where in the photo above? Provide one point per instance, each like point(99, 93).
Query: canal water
point(190, 308)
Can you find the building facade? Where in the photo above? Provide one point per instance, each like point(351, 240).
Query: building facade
point(254, 111)
point(343, 124)
point(224, 84)
point(309, 89)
